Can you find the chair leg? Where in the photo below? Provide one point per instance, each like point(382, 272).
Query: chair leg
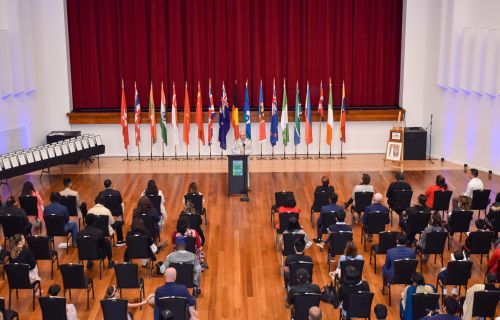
point(375, 262)
point(88, 304)
point(100, 269)
point(390, 302)
point(69, 290)
point(10, 296)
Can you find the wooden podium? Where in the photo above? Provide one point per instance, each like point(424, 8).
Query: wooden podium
point(237, 173)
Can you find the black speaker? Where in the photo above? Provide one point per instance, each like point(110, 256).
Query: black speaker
point(415, 143)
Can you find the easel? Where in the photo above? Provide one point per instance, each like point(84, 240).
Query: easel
point(396, 135)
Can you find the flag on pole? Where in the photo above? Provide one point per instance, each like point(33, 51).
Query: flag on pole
point(235, 118)
point(284, 117)
point(187, 116)
point(199, 116)
point(211, 113)
point(174, 117)
point(163, 115)
point(274, 118)
point(262, 120)
point(223, 119)
point(123, 117)
point(246, 110)
point(321, 102)
point(309, 137)
point(152, 115)
point(137, 117)
point(298, 111)
point(329, 122)
point(342, 115)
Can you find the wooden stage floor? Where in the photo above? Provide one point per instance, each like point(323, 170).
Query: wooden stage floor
point(243, 281)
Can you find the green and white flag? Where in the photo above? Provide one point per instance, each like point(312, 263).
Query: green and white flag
point(284, 117)
point(163, 116)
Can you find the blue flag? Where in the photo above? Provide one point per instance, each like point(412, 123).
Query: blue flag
point(246, 110)
point(224, 119)
point(274, 118)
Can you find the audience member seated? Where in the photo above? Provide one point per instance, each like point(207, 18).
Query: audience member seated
point(419, 208)
point(333, 206)
point(112, 293)
point(109, 191)
point(295, 228)
point(20, 253)
point(55, 207)
point(145, 206)
point(351, 284)
point(10, 208)
point(489, 284)
point(171, 289)
point(152, 189)
point(364, 186)
point(451, 307)
point(439, 186)
point(289, 205)
point(340, 225)
point(325, 186)
point(183, 230)
point(398, 185)
point(189, 209)
point(181, 255)
point(67, 191)
point(494, 257)
point(474, 184)
point(350, 253)
point(315, 313)
point(380, 311)
point(299, 246)
point(418, 286)
point(193, 189)
point(70, 308)
point(458, 255)
point(401, 251)
point(481, 227)
point(303, 286)
point(376, 206)
point(29, 190)
point(100, 210)
point(494, 209)
point(138, 228)
point(434, 226)
point(104, 245)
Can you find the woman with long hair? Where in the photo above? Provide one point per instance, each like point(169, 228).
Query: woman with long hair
point(295, 228)
point(152, 189)
point(193, 189)
point(183, 230)
point(145, 206)
point(138, 228)
point(429, 193)
point(29, 190)
point(20, 253)
point(350, 253)
point(112, 293)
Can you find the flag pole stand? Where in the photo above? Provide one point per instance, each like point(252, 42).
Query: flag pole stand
point(210, 147)
point(199, 150)
point(151, 152)
point(341, 154)
point(221, 154)
point(319, 141)
point(163, 151)
point(139, 154)
point(307, 152)
point(272, 153)
point(295, 157)
point(187, 152)
point(261, 151)
point(284, 152)
point(127, 159)
point(330, 150)
point(175, 152)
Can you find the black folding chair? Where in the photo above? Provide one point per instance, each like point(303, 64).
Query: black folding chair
point(197, 200)
point(284, 217)
point(418, 221)
point(73, 278)
point(329, 218)
point(376, 224)
point(195, 223)
point(480, 201)
point(336, 245)
point(41, 251)
point(309, 266)
point(321, 198)
point(387, 240)
point(400, 201)
point(458, 274)
point(442, 201)
point(480, 243)
point(156, 201)
point(190, 244)
point(138, 248)
point(29, 205)
point(302, 302)
point(279, 200)
point(485, 304)
point(434, 244)
point(7, 313)
point(114, 204)
point(114, 309)
point(357, 264)
point(11, 225)
point(362, 199)
point(288, 246)
point(496, 224)
point(423, 302)
point(102, 223)
point(178, 306)
point(53, 308)
point(70, 203)
point(459, 221)
point(55, 228)
point(185, 275)
point(18, 278)
point(127, 278)
point(149, 224)
point(403, 269)
point(357, 305)
point(88, 249)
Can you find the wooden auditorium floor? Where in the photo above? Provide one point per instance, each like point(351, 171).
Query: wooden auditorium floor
point(243, 281)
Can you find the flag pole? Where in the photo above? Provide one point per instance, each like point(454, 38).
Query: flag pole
point(307, 152)
point(284, 152)
point(151, 149)
point(319, 141)
point(139, 152)
point(330, 150)
point(210, 147)
point(163, 151)
point(199, 152)
point(261, 151)
point(341, 154)
point(295, 151)
point(175, 152)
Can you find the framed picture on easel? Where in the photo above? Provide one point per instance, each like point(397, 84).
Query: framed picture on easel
point(394, 151)
point(395, 135)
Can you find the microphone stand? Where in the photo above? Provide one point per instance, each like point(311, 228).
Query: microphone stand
point(245, 195)
point(430, 142)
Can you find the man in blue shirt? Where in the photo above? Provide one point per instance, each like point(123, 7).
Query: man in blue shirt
point(376, 206)
point(332, 207)
point(169, 289)
point(452, 309)
point(58, 209)
point(401, 251)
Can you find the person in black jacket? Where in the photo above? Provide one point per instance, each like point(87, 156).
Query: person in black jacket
point(398, 185)
point(11, 209)
point(351, 283)
point(103, 242)
point(304, 285)
point(325, 186)
point(405, 219)
point(138, 228)
point(145, 206)
point(20, 253)
point(109, 191)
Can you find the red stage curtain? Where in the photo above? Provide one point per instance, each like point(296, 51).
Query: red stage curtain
point(358, 41)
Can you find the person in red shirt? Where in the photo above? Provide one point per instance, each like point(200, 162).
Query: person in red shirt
point(429, 193)
point(289, 205)
point(494, 257)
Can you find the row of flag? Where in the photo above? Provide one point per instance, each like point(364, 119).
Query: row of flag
point(229, 118)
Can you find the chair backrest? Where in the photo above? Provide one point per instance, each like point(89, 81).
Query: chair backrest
point(185, 274)
point(461, 220)
point(458, 272)
point(137, 247)
point(321, 198)
point(148, 222)
point(419, 221)
point(329, 218)
point(442, 200)
point(362, 199)
point(423, 301)
point(401, 199)
point(156, 201)
point(196, 199)
point(387, 240)
point(29, 204)
point(376, 222)
point(338, 241)
point(288, 242)
point(53, 308)
point(480, 199)
point(88, 248)
point(114, 204)
point(302, 302)
point(102, 223)
point(496, 224)
point(11, 225)
point(18, 275)
point(55, 225)
point(435, 243)
point(72, 275)
point(485, 303)
point(126, 275)
point(39, 245)
point(296, 266)
point(70, 203)
point(283, 219)
point(280, 198)
point(358, 305)
point(177, 305)
point(114, 309)
point(358, 264)
point(403, 269)
point(480, 242)
point(194, 220)
point(190, 244)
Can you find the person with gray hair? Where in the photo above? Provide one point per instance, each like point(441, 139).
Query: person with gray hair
point(375, 207)
point(315, 313)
